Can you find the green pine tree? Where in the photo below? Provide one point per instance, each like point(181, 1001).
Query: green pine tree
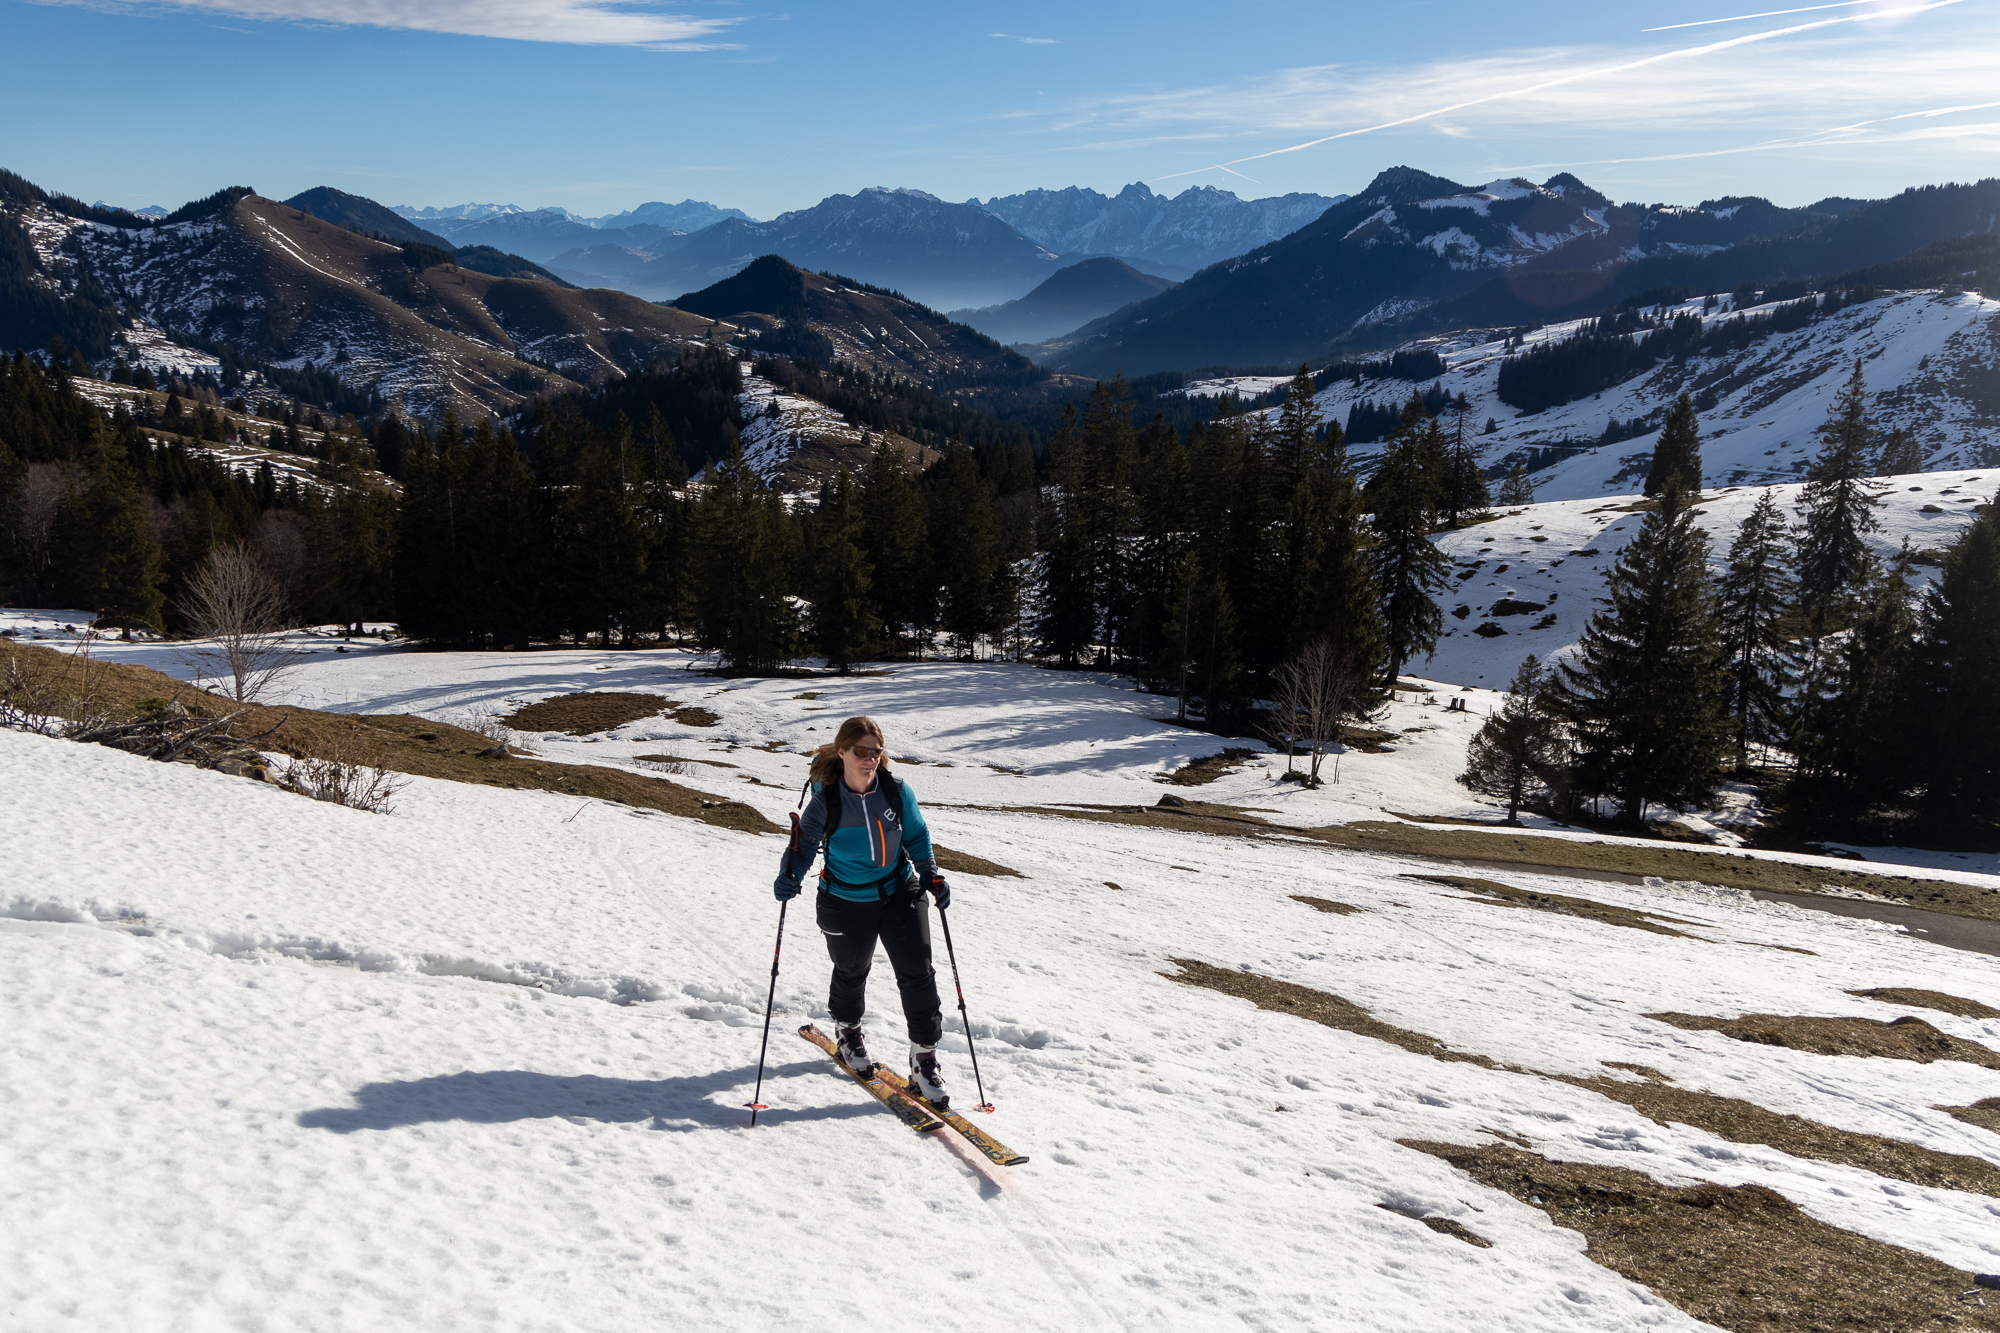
point(844, 619)
point(740, 569)
point(1646, 693)
point(1518, 488)
point(1901, 455)
point(1834, 558)
point(897, 542)
point(1465, 490)
point(1677, 455)
point(1756, 598)
point(1409, 569)
point(1959, 683)
point(1520, 754)
point(966, 552)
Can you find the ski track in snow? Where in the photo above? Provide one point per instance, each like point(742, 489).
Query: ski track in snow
point(260, 1071)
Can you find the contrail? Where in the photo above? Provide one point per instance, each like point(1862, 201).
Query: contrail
point(1682, 53)
point(1767, 14)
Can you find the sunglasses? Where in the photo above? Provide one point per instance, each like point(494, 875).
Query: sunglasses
point(865, 752)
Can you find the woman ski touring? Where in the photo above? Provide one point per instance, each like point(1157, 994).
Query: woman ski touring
point(879, 865)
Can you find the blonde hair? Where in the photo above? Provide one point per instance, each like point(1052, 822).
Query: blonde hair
point(826, 766)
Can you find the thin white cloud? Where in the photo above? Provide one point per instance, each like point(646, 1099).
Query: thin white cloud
point(571, 22)
point(1767, 14)
point(1582, 75)
point(1025, 41)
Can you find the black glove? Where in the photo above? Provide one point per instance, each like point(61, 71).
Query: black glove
point(785, 887)
point(932, 882)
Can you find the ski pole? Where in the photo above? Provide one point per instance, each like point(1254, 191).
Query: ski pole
point(756, 1103)
point(944, 919)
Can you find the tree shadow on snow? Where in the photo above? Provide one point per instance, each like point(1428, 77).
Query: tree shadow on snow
point(500, 1096)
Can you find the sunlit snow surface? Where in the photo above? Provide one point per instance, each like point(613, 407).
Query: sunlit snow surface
point(265, 1066)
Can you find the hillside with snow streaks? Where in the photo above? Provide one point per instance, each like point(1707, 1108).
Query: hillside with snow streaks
point(1528, 580)
point(1929, 359)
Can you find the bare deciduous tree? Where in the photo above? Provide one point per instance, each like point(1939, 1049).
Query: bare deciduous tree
point(237, 611)
point(1316, 691)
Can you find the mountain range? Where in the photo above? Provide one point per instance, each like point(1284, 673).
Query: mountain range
point(275, 299)
point(1172, 237)
point(1414, 253)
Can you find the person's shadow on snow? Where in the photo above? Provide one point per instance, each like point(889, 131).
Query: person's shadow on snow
point(498, 1096)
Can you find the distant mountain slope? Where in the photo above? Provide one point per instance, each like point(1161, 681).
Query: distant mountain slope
point(1415, 253)
point(944, 255)
point(687, 215)
point(351, 210)
point(1195, 228)
point(799, 313)
point(1931, 360)
point(485, 259)
point(248, 282)
point(1070, 298)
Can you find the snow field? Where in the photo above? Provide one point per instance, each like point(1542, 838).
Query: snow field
point(279, 1080)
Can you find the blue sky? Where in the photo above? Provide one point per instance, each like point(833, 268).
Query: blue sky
point(597, 106)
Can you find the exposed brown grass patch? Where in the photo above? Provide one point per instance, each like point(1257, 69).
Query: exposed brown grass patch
point(1522, 847)
point(1326, 905)
point(1208, 768)
point(1742, 1257)
point(1745, 1122)
point(1955, 1005)
point(404, 744)
point(582, 714)
point(1503, 895)
point(695, 716)
point(680, 759)
point(1984, 1113)
point(1319, 1006)
point(1905, 1038)
point(965, 863)
point(1725, 1117)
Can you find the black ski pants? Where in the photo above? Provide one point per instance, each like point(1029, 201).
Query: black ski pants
point(902, 921)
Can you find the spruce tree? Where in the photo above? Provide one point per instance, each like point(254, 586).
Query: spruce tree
point(1204, 636)
point(599, 544)
point(1834, 558)
point(1519, 487)
point(1678, 452)
point(1166, 534)
point(1756, 597)
point(1860, 750)
point(966, 554)
point(844, 618)
point(896, 541)
point(1465, 489)
point(1068, 624)
point(1409, 569)
point(1520, 753)
point(104, 540)
point(1646, 693)
point(1959, 682)
point(740, 567)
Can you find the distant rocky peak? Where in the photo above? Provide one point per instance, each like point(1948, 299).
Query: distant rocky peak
point(1566, 186)
point(1407, 185)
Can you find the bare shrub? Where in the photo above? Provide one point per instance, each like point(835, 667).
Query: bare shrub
point(354, 785)
point(238, 610)
point(677, 764)
point(1316, 690)
point(52, 696)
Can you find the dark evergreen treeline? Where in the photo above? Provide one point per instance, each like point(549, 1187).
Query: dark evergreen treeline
point(1627, 342)
point(116, 514)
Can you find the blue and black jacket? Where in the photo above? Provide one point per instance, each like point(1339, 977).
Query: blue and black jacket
point(872, 838)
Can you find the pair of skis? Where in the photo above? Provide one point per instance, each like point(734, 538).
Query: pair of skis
point(895, 1092)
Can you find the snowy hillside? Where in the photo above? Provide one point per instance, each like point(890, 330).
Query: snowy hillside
point(1527, 581)
point(1927, 358)
point(795, 443)
point(480, 1063)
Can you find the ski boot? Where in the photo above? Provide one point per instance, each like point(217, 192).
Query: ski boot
point(851, 1051)
point(926, 1079)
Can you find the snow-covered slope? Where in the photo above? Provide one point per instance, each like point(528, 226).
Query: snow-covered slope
point(1928, 359)
point(481, 1063)
point(1547, 562)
